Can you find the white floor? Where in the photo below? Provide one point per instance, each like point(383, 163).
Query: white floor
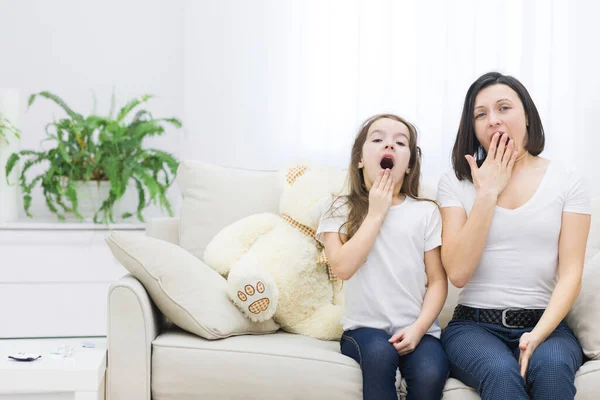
point(79, 376)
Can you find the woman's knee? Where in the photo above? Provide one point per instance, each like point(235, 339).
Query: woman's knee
point(552, 366)
point(558, 357)
point(501, 368)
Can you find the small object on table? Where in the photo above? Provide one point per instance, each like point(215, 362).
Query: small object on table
point(25, 356)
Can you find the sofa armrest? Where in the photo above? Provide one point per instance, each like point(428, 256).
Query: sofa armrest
point(164, 229)
point(133, 323)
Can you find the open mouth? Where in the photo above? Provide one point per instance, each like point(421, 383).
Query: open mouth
point(387, 163)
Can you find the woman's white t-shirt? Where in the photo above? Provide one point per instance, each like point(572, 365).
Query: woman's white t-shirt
point(519, 263)
point(387, 291)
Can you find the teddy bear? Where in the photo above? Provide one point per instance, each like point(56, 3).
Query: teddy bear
point(274, 266)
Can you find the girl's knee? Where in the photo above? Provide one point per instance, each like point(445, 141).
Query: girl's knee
point(371, 348)
point(434, 374)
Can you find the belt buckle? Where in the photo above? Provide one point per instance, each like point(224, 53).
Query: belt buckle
point(504, 318)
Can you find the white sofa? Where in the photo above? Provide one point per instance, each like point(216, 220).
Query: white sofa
point(150, 358)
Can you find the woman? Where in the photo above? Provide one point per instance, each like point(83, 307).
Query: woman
point(515, 228)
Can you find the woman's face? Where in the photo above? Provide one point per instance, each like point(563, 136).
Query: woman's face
point(498, 108)
point(386, 147)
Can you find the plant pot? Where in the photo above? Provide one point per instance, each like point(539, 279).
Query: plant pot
point(90, 196)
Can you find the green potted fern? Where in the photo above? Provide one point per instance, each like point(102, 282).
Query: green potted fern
point(98, 151)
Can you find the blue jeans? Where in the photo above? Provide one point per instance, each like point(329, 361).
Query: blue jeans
point(425, 369)
point(486, 357)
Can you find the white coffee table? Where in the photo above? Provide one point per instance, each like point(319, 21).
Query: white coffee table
point(53, 377)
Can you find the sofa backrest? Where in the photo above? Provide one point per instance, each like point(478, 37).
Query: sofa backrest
point(214, 197)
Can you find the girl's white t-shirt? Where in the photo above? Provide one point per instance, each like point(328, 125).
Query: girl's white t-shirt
point(387, 291)
point(519, 263)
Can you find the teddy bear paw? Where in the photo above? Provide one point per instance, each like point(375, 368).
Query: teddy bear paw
point(257, 306)
point(256, 301)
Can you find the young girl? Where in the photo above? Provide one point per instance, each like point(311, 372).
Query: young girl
point(385, 241)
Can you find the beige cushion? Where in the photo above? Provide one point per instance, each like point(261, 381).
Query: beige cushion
point(214, 197)
point(278, 366)
point(587, 381)
point(584, 318)
point(186, 291)
point(456, 390)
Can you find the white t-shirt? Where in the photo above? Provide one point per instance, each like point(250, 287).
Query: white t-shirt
point(519, 263)
point(387, 291)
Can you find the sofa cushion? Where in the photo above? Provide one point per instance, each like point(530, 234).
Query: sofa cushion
point(584, 318)
point(278, 366)
point(587, 381)
point(188, 292)
point(456, 390)
point(214, 197)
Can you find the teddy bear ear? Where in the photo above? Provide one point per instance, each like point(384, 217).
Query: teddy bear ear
point(294, 173)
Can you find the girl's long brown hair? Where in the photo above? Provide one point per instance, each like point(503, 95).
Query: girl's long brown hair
point(357, 198)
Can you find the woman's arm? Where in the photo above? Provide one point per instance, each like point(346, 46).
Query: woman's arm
point(571, 254)
point(463, 238)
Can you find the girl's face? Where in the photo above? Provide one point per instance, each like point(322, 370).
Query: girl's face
point(386, 147)
point(498, 108)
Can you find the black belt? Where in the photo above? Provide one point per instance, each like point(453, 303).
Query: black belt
point(515, 318)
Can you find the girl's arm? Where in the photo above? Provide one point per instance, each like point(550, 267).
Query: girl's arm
point(346, 256)
point(437, 290)
point(407, 339)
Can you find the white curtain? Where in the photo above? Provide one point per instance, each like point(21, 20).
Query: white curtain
point(270, 82)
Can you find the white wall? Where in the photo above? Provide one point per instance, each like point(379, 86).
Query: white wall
point(270, 81)
point(587, 82)
point(72, 47)
point(262, 83)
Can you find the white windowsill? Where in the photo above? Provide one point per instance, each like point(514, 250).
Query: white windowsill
point(53, 225)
